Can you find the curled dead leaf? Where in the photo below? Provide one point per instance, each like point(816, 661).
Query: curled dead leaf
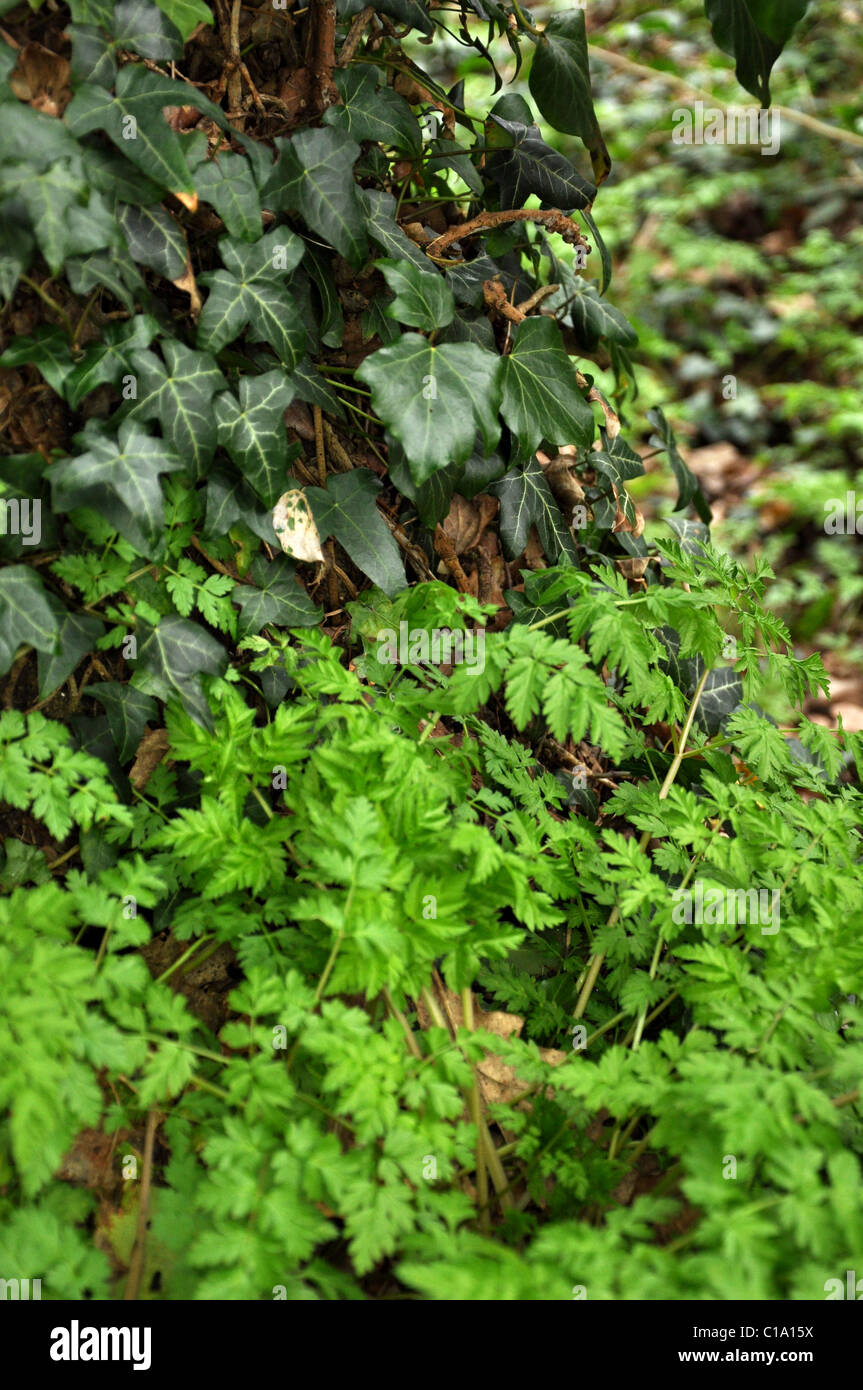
point(189, 200)
point(41, 78)
point(466, 521)
point(187, 282)
point(181, 118)
point(632, 566)
point(150, 752)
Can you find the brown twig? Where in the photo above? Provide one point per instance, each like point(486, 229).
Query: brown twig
point(355, 33)
point(337, 451)
point(319, 445)
point(332, 577)
point(446, 550)
point(552, 219)
point(321, 50)
point(537, 297)
point(217, 564)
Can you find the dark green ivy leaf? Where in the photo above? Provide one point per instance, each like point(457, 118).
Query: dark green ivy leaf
point(179, 394)
point(120, 479)
point(541, 398)
point(171, 660)
point(446, 153)
point(133, 119)
point(560, 85)
point(154, 238)
point(227, 182)
point(78, 635)
point(754, 33)
point(51, 198)
point(229, 500)
point(109, 359)
point(128, 711)
point(593, 318)
point(373, 112)
point(423, 299)
point(117, 273)
point(137, 26)
point(186, 15)
point(381, 226)
point(277, 598)
point(253, 432)
point(722, 693)
point(332, 325)
point(693, 535)
point(313, 176)
point(48, 350)
point(688, 487)
point(250, 290)
point(434, 399)
point(28, 613)
point(527, 165)
point(347, 511)
point(410, 12)
point(525, 500)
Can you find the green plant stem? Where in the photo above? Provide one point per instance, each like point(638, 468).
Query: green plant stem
point(475, 1104)
point(596, 962)
point(49, 303)
point(166, 974)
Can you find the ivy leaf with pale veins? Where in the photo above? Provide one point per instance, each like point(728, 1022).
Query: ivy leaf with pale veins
point(230, 500)
point(250, 290)
point(154, 239)
point(423, 299)
point(133, 119)
point(525, 500)
point(381, 226)
point(78, 635)
point(347, 511)
point(137, 26)
point(228, 184)
point(369, 113)
point(277, 597)
point(109, 359)
point(592, 318)
point(50, 198)
point(28, 613)
point(313, 176)
point(754, 33)
point(523, 164)
point(560, 85)
point(171, 660)
point(446, 153)
point(722, 693)
point(128, 711)
point(332, 324)
point(253, 432)
point(117, 273)
point(120, 479)
point(48, 350)
point(693, 535)
point(179, 394)
point(541, 399)
point(433, 399)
